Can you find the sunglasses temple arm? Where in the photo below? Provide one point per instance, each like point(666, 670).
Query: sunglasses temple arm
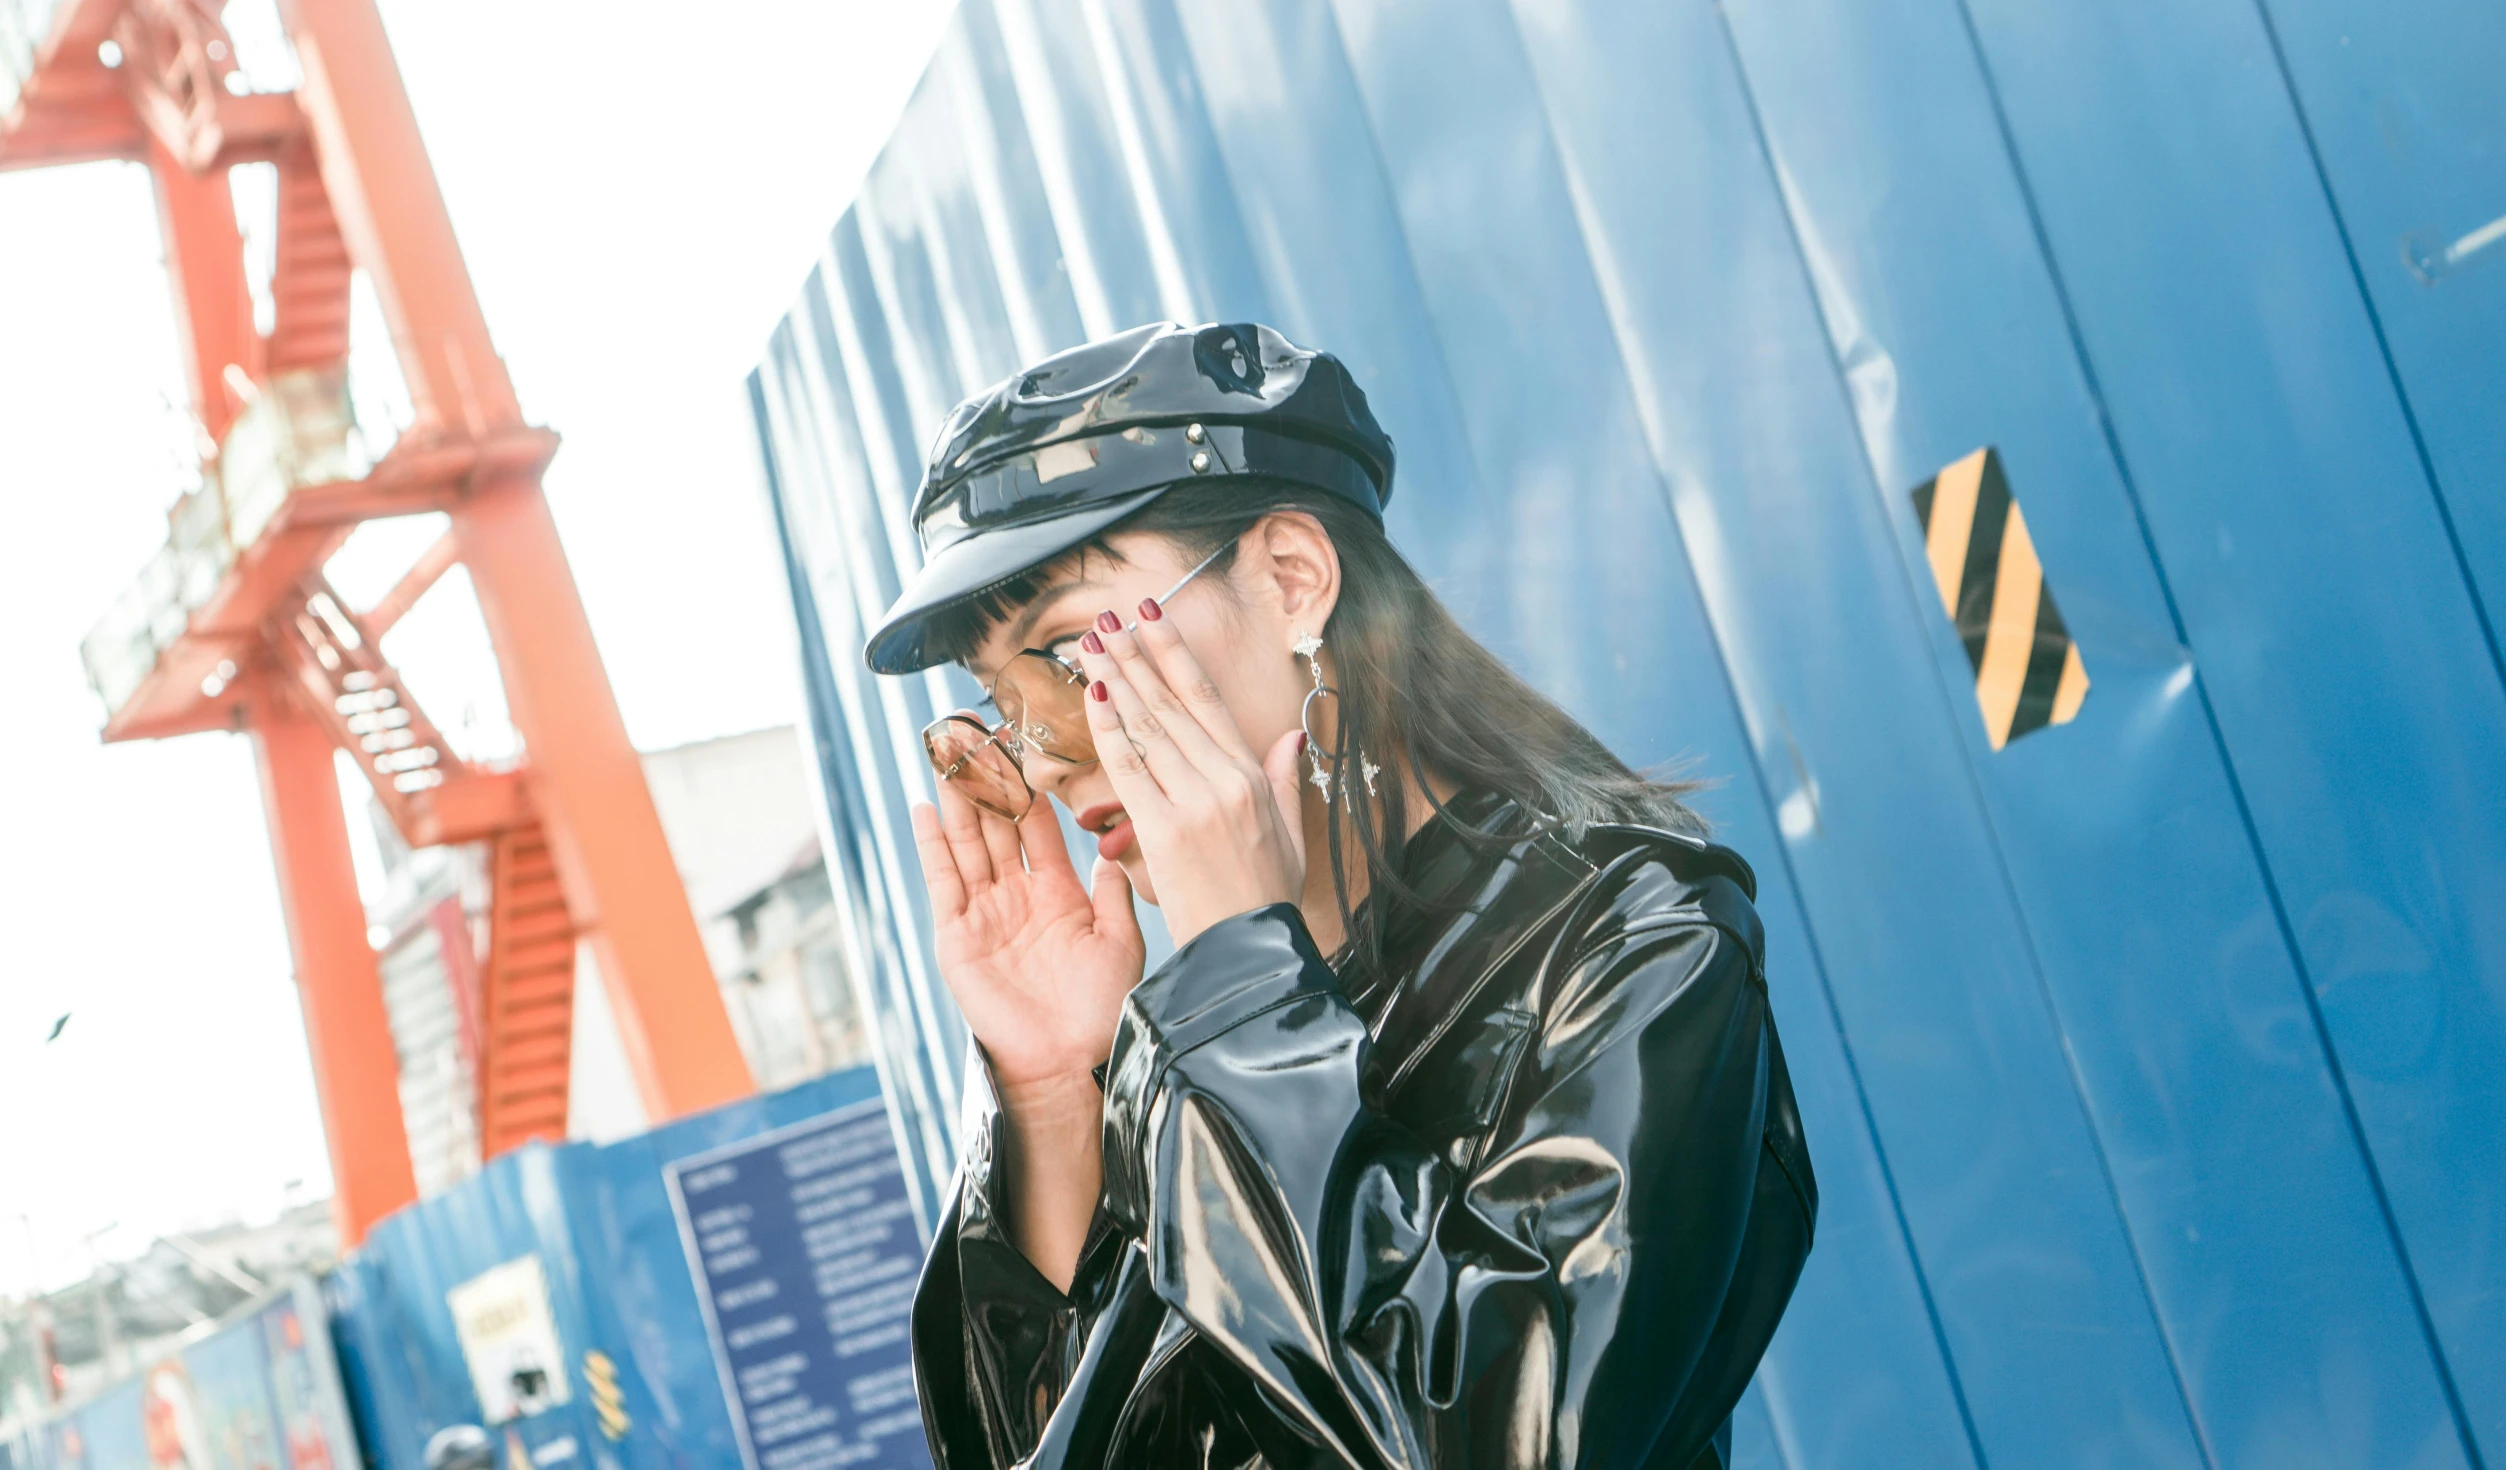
point(1187, 577)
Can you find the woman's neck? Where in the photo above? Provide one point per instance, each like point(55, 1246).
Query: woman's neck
point(1321, 902)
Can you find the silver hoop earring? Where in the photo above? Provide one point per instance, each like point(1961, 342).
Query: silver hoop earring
point(1309, 647)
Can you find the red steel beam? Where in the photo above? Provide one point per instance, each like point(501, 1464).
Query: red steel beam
point(588, 785)
point(414, 583)
point(383, 188)
point(621, 886)
point(204, 259)
point(355, 1068)
point(311, 525)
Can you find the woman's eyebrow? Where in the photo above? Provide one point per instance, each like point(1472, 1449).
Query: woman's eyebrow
point(1041, 604)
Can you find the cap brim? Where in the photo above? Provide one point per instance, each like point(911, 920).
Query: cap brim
point(975, 563)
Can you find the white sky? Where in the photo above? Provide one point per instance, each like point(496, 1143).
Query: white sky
point(639, 197)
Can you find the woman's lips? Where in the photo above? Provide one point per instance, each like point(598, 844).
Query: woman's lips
point(1112, 826)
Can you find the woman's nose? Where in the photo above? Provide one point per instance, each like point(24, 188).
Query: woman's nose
point(1046, 775)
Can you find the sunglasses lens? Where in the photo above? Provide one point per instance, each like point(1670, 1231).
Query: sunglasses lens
point(969, 759)
point(1043, 701)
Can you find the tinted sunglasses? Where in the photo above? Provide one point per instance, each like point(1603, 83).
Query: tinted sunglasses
point(1042, 698)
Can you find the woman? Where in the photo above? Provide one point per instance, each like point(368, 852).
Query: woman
point(1456, 1131)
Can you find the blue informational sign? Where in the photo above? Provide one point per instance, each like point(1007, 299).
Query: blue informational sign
point(805, 1247)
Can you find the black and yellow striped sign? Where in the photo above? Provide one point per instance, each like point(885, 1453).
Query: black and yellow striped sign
point(608, 1400)
point(2028, 672)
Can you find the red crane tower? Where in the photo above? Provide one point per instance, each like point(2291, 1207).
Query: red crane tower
point(233, 627)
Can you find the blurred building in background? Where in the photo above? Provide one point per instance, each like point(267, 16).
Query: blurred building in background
point(128, 1312)
point(743, 824)
point(781, 962)
point(740, 822)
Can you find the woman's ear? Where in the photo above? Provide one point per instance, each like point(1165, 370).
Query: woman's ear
point(1300, 566)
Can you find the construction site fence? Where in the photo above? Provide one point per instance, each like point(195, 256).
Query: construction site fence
point(2038, 461)
point(260, 1391)
point(553, 1300)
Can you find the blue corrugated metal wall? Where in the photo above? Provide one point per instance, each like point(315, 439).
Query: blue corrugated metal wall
point(2156, 1064)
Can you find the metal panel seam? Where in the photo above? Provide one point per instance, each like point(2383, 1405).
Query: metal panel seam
point(2236, 785)
point(901, 718)
point(1879, 1146)
point(935, 1115)
point(1401, 228)
point(811, 647)
point(1041, 114)
point(2488, 630)
point(1165, 261)
point(2384, 352)
point(2023, 921)
point(1792, 878)
point(1715, 651)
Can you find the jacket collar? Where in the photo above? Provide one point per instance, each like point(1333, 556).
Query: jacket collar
point(1448, 858)
point(1485, 872)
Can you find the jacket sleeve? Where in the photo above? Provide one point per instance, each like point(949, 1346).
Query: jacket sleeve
point(1546, 1300)
point(994, 1341)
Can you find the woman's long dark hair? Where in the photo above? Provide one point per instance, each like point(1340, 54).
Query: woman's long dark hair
point(1413, 687)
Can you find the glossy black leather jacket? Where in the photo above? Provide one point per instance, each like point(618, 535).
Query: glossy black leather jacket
point(1533, 1195)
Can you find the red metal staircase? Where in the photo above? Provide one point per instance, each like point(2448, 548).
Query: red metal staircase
point(342, 680)
point(310, 285)
point(527, 1031)
point(526, 987)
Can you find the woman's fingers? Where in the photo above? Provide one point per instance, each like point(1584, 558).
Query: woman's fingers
point(1192, 687)
point(960, 824)
point(1181, 723)
point(939, 864)
point(1048, 857)
point(1000, 842)
point(1109, 894)
point(1157, 739)
point(1123, 759)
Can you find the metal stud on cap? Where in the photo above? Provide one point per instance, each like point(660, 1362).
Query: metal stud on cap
point(1194, 433)
point(1200, 462)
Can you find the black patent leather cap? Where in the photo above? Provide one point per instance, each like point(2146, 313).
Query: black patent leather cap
point(1046, 459)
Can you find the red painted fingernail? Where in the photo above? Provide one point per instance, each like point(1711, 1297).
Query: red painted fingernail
point(1098, 692)
point(1107, 622)
point(1150, 612)
point(1092, 643)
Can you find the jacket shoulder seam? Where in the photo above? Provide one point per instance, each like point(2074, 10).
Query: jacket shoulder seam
point(1680, 852)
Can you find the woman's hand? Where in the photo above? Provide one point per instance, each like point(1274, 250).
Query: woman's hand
point(1220, 827)
point(1038, 964)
